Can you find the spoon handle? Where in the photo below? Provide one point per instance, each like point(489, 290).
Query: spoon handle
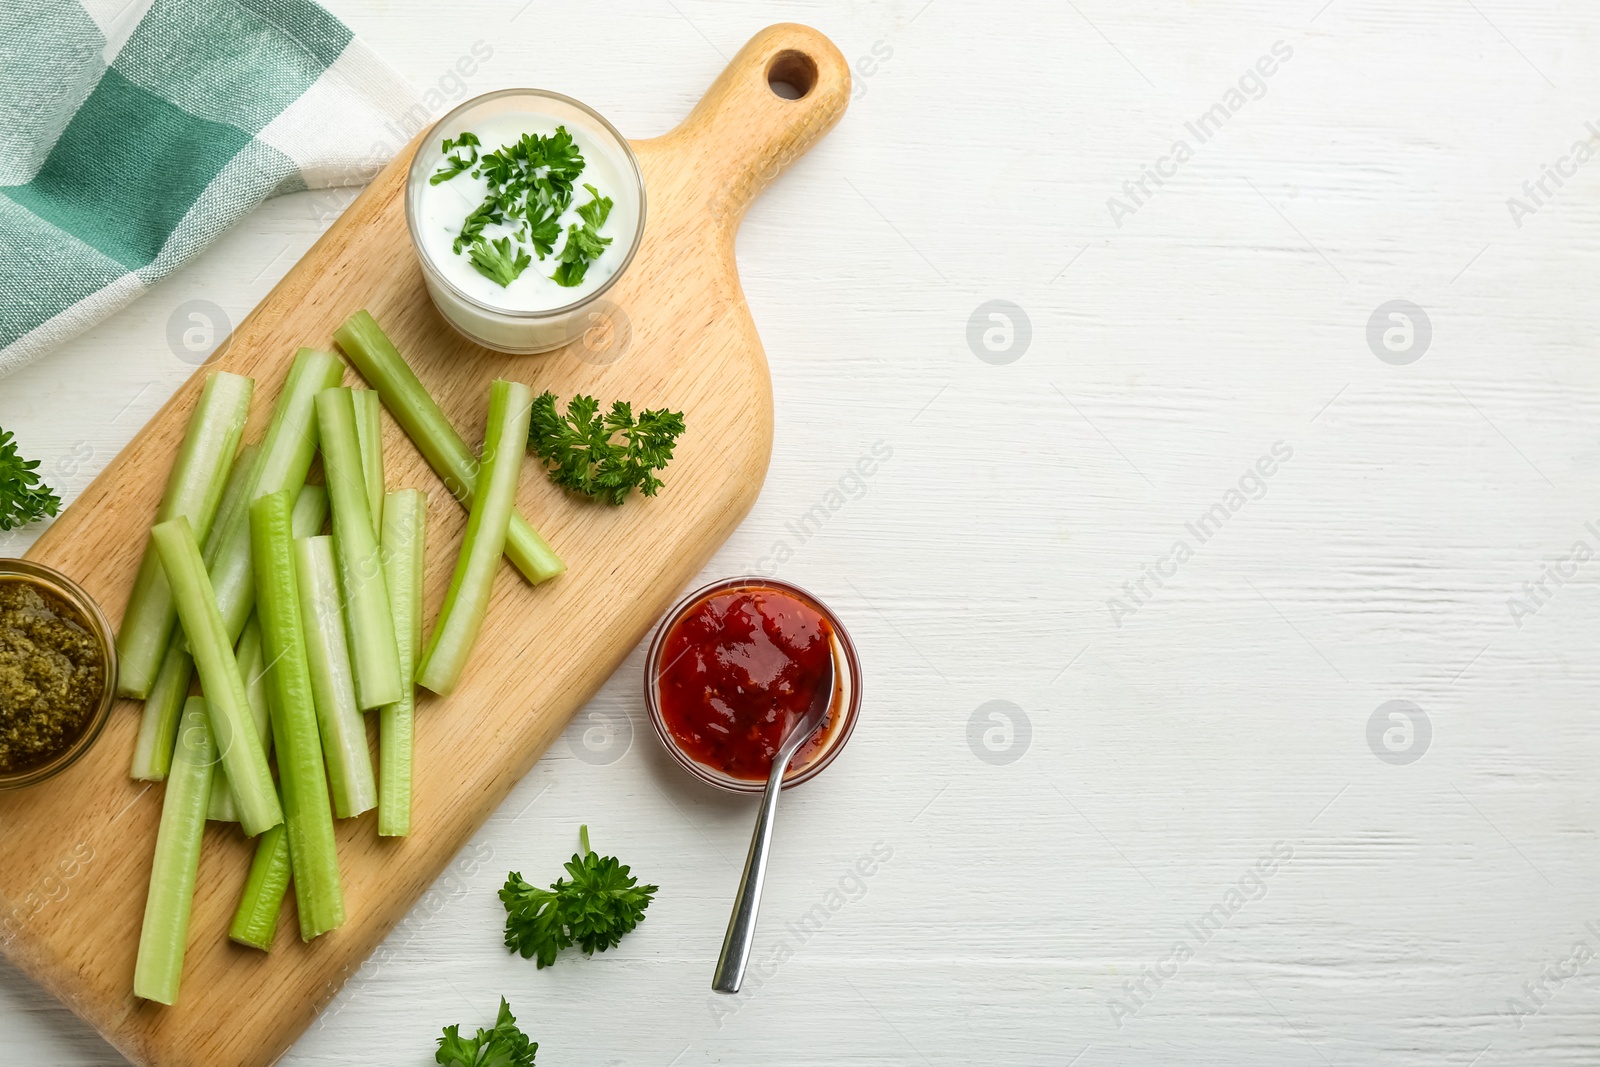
point(741, 933)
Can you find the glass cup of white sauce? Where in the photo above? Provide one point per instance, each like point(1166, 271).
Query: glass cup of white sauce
point(533, 313)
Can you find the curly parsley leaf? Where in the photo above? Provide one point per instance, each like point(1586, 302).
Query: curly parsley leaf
point(504, 1046)
point(541, 229)
point(596, 211)
point(584, 243)
point(496, 261)
point(23, 497)
point(601, 903)
point(563, 157)
point(455, 158)
point(603, 456)
point(485, 214)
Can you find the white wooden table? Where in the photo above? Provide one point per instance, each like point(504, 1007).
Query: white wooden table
point(1194, 830)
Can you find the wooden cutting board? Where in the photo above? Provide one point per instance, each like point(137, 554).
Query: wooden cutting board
point(75, 852)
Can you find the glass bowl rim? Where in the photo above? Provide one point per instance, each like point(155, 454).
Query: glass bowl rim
point(78, 597)
point(414, 174)
point(844, 649)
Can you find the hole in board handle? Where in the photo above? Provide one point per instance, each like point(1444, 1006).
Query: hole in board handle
point(791, 75)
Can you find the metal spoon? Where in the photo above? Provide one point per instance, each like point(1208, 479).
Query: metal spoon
point(736, 944)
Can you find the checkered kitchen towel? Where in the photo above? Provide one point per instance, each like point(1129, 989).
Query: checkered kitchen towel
point(133, 132)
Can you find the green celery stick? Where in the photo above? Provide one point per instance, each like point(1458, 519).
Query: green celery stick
point(256, 920)
point(302, 777)
point(369, 435)
point(374, 655)
point(505, 443)
point(152, 752)
point(386, 371)
point(158, 726)
point(235, 500)
point(286, 453)
point(253, 668)
point(194, 489)
point(344, 731)
point(310, 511)
point(165, 934)
point(226, 700)
point(405, 521)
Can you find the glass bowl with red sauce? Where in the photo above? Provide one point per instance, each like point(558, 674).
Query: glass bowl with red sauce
point(733, 665)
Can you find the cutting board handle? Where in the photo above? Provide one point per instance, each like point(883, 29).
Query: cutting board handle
point(743, 134)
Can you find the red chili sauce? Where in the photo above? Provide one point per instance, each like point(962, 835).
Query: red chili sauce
point(738, 668)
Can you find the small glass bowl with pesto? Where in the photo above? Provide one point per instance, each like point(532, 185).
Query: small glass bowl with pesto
point(58, 659)
point(525, 208)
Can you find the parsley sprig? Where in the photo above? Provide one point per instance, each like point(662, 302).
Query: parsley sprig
point(496, 260)
point(455, 158)
point(530, 185)
point(584, 243)
point(23, 497)
point(504, 1046)
point(603, 456)
point(594, 910)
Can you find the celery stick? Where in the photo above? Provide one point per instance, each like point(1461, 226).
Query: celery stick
point(226, 700)
point(387, 372)
point(374, 656)
point(286, 454)
point(253, 668)
point(194, 489)
point(165, 934)
point(310, 511)
point(344, 731)
point(405, 520)
point(505, 442)
point(256, 921)
point(302, 778)
point(369, 435)
point(235, 499)
point(152, 752)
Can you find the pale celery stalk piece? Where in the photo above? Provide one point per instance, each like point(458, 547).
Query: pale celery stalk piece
point(287, 450)
point(374, 654)
point(405, 521)
point(381, 364)
point(158, 726)
point(369, 435)
point(310, 512)
point(164, 936)
point(505, 444)
point(226, 700)
point(302, 776)
point(235, 501)
point(194, 490)
point(253, 667)
point(256, 921)
point(343, 730)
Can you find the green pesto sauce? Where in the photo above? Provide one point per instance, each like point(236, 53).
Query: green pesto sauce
point(52, 674)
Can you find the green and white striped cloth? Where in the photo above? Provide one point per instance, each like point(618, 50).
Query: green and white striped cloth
point(134, 132)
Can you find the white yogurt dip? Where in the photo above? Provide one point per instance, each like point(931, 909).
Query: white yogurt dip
point(532, 313)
